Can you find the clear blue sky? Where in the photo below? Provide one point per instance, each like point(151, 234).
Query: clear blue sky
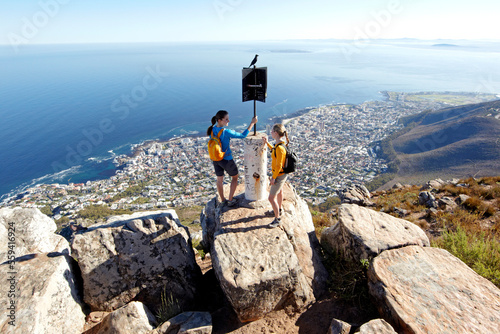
point(87, 21)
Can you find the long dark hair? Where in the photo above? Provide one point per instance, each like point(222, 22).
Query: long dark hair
point(220, 115)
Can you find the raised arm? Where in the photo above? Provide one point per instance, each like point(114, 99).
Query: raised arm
point(252, 123)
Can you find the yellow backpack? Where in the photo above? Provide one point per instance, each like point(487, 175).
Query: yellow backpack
point(215, 147)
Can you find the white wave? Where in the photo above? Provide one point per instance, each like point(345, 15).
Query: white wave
point(45, 179)
point(59, 175)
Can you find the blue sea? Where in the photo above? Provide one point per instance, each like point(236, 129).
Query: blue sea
point(67, 110)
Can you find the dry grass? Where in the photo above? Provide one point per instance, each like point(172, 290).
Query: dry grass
point(470, 231)
point(406, 199)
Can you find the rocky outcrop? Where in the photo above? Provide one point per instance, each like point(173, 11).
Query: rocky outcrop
point(39, 289)
point(362, 233)
point(355, 194)
point(207, 222)
point(427, 198)
point(261, 269)
point(433, 184)
point(428, 290)
point(446, 203)
point(45, 296)
point(133, 318)
point(137, 257)
point(33, 231)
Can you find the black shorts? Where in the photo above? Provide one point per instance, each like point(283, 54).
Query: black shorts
point(225, 165)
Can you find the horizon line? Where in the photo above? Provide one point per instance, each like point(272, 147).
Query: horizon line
point(262, 41)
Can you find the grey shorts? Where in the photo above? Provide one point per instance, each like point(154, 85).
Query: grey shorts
point(225, 165)
point(278, 185)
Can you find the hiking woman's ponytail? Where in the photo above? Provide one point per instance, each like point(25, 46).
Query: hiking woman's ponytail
point(287, 140)
point(209, 130)
point(220, 115)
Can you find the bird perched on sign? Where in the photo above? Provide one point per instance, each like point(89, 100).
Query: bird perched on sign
point(253, 61)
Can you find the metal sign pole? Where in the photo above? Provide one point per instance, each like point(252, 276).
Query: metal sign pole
point(254, 115)
point(254, 102)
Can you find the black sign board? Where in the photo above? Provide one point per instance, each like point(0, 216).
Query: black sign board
point(254, 84)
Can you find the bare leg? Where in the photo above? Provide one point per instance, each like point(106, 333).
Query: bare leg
point(274, 204)
point(280, 200)
point(234, 184)
point(220, 187)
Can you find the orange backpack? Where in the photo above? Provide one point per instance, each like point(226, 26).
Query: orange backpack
point(215, 147)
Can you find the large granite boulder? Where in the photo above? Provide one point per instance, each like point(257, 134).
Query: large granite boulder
point(362, 233)
point(39, 289)
point(133, 318)
point(428, 290)
point(39, 295)
point(137, 257)
point(261, 269)
point(33, 231)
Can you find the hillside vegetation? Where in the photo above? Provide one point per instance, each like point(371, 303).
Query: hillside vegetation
point(470, 231)
point(461, 141)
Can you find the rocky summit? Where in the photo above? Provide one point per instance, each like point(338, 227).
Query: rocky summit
point(262, 269)
point(126, 266)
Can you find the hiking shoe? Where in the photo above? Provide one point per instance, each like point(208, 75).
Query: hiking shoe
point(275, 223)
point(232, 202)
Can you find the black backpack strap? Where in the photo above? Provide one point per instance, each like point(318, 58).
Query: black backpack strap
point(274, 148)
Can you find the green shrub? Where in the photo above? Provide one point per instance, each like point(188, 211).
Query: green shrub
point(95, 212)
point(46, 211)
point(64, 220)
point(169, 307)
point(199, 248)
point(478, 251)
point(330, 203)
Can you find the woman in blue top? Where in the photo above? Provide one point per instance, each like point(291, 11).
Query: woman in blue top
point(219, 121)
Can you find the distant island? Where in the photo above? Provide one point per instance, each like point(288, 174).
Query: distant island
point(290, 51)
point(445, 45)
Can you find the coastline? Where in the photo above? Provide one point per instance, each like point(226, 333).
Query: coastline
point(118, 161)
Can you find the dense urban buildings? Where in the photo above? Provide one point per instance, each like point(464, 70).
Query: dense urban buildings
point(334, 144)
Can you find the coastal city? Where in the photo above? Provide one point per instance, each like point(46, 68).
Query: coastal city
point(334, 144)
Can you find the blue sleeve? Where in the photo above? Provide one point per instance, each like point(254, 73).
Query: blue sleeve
point(234, 134)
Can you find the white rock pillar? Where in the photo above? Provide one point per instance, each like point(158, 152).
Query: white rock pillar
point(255, 167)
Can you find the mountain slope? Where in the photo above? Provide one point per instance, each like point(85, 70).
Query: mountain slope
point(453, 142)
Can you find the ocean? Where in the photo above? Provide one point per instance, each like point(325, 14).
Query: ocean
point(67, 110)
